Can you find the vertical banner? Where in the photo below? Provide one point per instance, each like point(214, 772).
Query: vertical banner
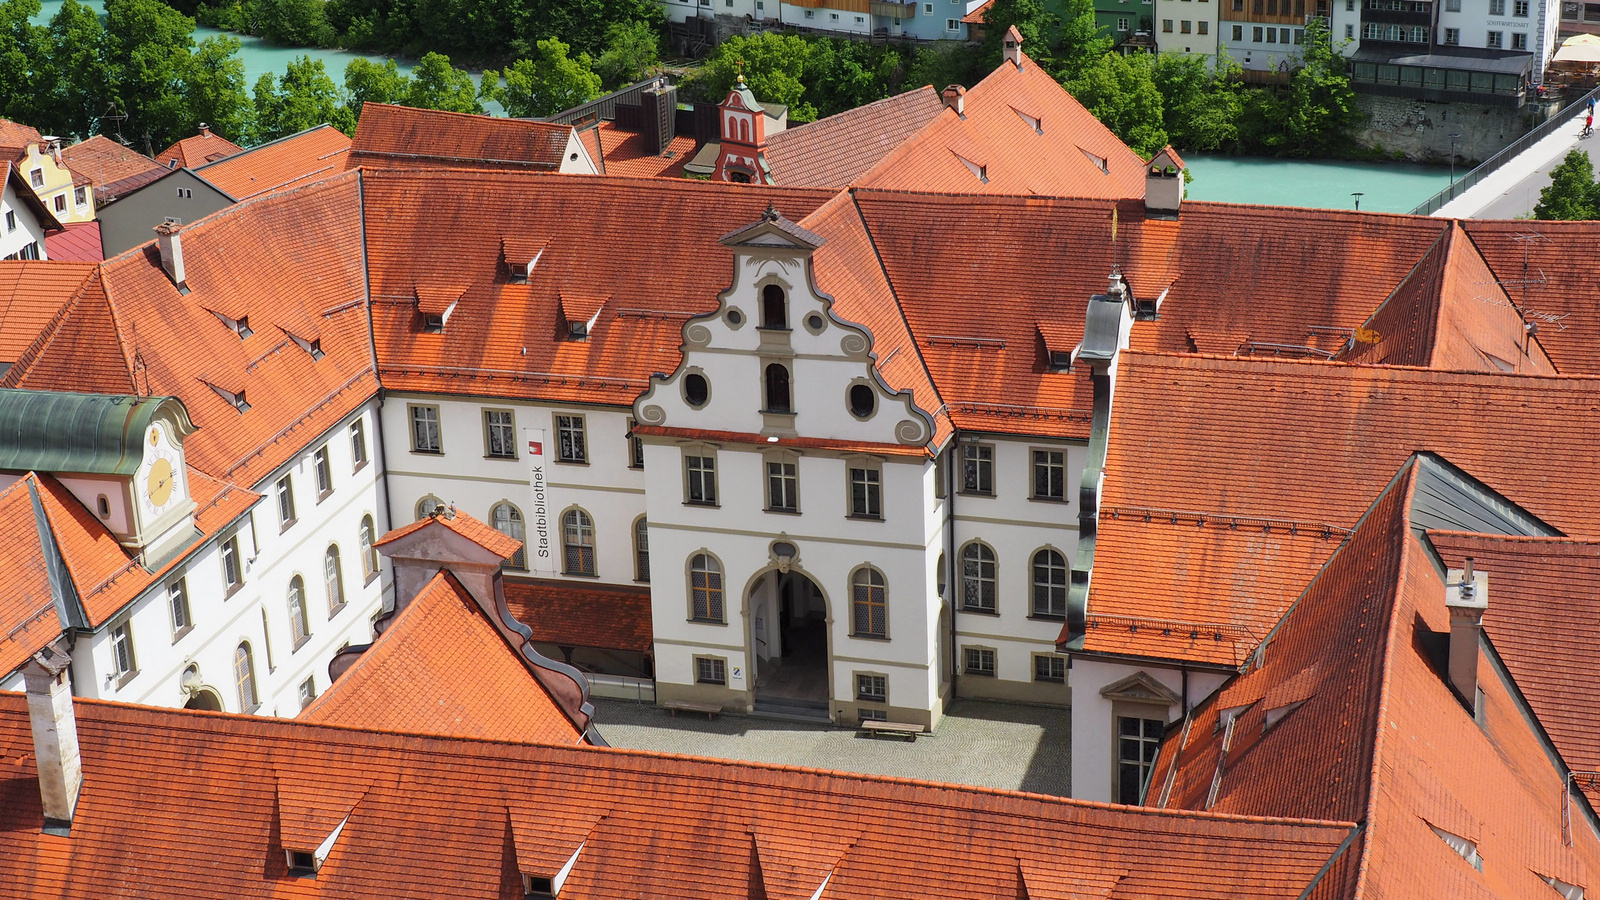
point(541, 560)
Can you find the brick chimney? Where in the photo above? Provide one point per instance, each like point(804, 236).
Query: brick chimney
point(205, 130)
point(1163, 185)
point(169, 242)
point(1467, 597)
point(1011, 47)
point(55, 736)
point(955, 97)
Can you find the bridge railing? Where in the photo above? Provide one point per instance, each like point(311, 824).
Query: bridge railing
point(1510, 151)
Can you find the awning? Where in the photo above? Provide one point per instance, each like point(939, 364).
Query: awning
point(1583, 48)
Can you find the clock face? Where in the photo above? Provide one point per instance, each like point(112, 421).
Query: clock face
point(158, 484)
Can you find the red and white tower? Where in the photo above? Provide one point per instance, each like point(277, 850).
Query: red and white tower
point(744, 138)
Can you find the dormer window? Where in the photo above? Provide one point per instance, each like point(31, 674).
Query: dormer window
point(313, 346)
point(243, 327)
point(774, 308)
point(435, 303)
point(432, 324)
point(538, 886)
point(234, 398)
point(302, 863)
point(777, 388)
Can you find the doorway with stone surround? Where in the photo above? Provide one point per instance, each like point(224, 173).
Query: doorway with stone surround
point(789, 642)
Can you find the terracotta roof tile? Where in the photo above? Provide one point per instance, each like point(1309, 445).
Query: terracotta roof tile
point(311, 155)
point(607, 617)
point(832, 152)
point(75, 242)
point(404, 137)
point(131, 331)
point(468, 527)
point(447, 817)
point(194, 152)
point(15, 135)
point(979, 14)
point(627, 153)
point(1547, 270)
point(442, 668)
point(106, 162)
point(28, 617)
point(31, 294)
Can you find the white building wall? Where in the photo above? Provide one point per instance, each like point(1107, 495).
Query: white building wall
point(19, 227)
point(1198, 13)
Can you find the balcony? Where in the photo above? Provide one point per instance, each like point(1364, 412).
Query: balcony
point(892, 10)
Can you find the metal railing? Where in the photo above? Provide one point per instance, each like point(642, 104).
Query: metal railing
point(1506, 154)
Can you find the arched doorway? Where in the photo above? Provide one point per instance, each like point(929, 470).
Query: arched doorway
point(204, 698)
point(789, 643)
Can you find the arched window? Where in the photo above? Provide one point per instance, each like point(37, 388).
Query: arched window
point(744, 130)
point(577, 542)
point(427, 506)
point(979, 578)
point(869, 603)
point(641, 550)
point(507, 520)
point(1049, 583)
point(705, 587)
point(299, 627)
point(777, 378)
point(244, 676)
point(774, 308)
point(369, 553)
point(333, 579)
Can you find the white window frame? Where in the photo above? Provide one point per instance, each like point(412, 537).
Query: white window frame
point(499, 437)
point(426, 435)
point(178, 607)
point(699, 477)
point(124, 661)
point(864, 490)
point(988, 662)
point(323, 466)
point(572, 439)
point(785, 482)
point(358, 444)
point(285, 492)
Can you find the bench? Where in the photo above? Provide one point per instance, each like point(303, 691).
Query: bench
point(677, 706)
point(878, 726)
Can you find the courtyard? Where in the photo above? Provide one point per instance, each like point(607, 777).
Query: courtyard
point(997, 745)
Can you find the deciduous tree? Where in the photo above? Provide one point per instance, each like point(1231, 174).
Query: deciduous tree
point(435, 84)
point(1121, 92)
point(1572, 193)
point(544, 86)
point(304, 98)
point(633, 51)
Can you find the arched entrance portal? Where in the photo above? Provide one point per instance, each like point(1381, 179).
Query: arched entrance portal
point(204, 698)
point(789, 644)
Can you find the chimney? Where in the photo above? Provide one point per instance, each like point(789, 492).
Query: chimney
point(55, 736)
point(1163, 185)
point(1011, 47)
point(171, 247)
point(955, 97)
point(205, 130)
point(1466, 594)
point(660, 116)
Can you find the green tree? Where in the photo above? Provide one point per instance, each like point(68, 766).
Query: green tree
point(151, 42)
point(294, 23)
point(942, 65)
point(1201, 106)
point(1572, 193)
point(1080, 43)
point(435, 84)
point(774, 67)
point(304, 98)
point(1320, 106)
point(75, 76)
point(544, 86)
point(1121, 92)
point(1037, 24)
point(633, 51)
point(845, 74)
point(214, 89)
point(366, 80)
point(22, 44)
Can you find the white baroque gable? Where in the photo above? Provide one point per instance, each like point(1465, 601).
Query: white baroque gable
point(772, 322)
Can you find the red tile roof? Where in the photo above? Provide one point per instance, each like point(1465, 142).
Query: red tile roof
point(468, 527)
point(603, 616)
point(1547, 270)
point(1247, 473)
point(433, 817)
point(311, 155)
point(403, 137)
point(832, 152)
point(75, 242)
point(1382, 738)
point(107, 163)
point(194, 152)
point(627, 153)
point(17, 136)
point(31, 294)
point(978, 14)
point(442, 668)
point(131, 331)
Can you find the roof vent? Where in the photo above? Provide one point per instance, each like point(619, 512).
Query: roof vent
point(1467, 597)
point(169, 243)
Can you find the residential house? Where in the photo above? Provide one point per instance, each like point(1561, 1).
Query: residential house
point(1186, 26)
point(66, 192)
point(197, 150)
point(935, 20)
point(112, 169)
point(400, 136)
point(25, 220)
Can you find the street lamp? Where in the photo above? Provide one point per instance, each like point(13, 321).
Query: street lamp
point(1357, 195)
point(1453, 138)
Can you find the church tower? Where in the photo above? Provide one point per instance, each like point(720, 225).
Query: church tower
point(744, 138)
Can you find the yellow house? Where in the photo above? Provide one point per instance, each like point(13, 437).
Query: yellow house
point(68, 195)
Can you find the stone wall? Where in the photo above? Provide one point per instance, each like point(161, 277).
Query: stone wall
point(1422, 130)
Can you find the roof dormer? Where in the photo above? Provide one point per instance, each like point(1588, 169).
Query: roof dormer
point(579, 313)
point(437, 303)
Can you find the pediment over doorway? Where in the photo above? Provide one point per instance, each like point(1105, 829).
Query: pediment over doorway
point(1140, 688)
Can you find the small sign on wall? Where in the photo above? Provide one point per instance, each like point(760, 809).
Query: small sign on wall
point(541, 556)
point(735, 675)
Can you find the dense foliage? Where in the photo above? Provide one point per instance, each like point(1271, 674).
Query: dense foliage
point(1572, 193)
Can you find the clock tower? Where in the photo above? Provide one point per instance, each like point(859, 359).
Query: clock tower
point(164, 511)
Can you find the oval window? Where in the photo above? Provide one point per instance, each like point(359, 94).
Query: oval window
point(695, 389)
point(784, 548)
point(862, 400)
point(735, 318)
point(814, 322)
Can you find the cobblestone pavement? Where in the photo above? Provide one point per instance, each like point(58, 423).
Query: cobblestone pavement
point(1000, 745)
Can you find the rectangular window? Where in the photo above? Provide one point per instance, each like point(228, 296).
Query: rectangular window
point(36, 178)
point(1349, 32)
point(1520, 9)
point(11, 221)
point(1272, 35)
point(178, 600)
point(232, 574)
point(977, 469)
point(859, 20)
point(425, 436)
point(1049, 475)
point(1452, 5)
point(783, 486)
point(635, 447)
point(927, 8)
point(61, 203)
point(1122, 23)
point(1299, 35)
point(122, 662)
point(571, 446)
point(866, 493)
point(952, 25)
point(1255, 34)
point(1238, 32)
point(1519, 40)
point(1495, 40)
point(1591, 12)
point(358, 443)
point(499, 434)
point(812, 14)
point(872, 688)
point(1205, 27)
point(701, 474)
point(1166, 25)
point(833, 17)
point(285, 501)
point(1049, 668)
point(1349, 5)
point(979, 662)
point(308, 691)
point(80, 196)
point(1137, 743)
point(1184, 26)
point(324, 468)
point(1497, 7)
point(710, 670)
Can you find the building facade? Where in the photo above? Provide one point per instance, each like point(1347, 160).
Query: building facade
point(926, 20)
